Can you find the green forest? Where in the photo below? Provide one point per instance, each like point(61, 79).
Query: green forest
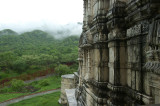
point(35, 50)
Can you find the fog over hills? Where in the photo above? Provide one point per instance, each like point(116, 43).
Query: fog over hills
point(8, 32)
point(57, 30)
point(58, 17)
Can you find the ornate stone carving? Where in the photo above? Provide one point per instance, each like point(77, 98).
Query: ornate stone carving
point(153, 53)
point(135, 30)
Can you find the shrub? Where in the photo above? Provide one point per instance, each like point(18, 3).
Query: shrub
point(44, 82)
point(17, 85)
point(3, 75)
point(5, 90)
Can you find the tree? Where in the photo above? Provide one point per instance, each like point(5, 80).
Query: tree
point(35, 50)
point(6, 60)
point(20, 66)
point(62, 69)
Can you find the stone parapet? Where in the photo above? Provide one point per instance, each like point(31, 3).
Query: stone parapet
point(67, 82)
point(71, 100)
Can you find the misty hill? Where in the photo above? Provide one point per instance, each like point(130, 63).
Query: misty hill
point(33, 42)
point(36, 49)
point(8, 32)
point(36, 34)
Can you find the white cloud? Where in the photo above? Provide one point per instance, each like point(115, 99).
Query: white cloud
point(31, 14)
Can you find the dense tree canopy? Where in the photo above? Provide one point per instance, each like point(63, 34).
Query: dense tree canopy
point(34, 50)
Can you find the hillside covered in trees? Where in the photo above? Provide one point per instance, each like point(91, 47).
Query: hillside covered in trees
point(35, 50)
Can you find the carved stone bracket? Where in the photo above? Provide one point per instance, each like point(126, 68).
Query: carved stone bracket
point(115, 88)
point(139, 97)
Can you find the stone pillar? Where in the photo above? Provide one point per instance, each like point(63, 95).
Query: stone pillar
point(67, 82)
point(87, 71)
point(89, 65)
point(84, 15)
point(117, 52)
point(84, 64)
point(96, 64)
point(89, 17)
point(95, 8)
point(80, 60)
point(101, 63)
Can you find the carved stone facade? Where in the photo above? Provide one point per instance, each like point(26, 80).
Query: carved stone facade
point(119, 53)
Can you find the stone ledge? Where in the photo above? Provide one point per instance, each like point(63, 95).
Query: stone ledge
point(70, 93)
point(70, 76)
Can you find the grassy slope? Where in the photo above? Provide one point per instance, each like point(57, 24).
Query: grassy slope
point(45, 100)
point(7, 96)
point(54, 82)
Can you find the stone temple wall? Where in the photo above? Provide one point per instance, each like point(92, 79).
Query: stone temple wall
point(119, 53)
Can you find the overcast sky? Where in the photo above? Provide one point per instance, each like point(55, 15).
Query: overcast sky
point(23, 15)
